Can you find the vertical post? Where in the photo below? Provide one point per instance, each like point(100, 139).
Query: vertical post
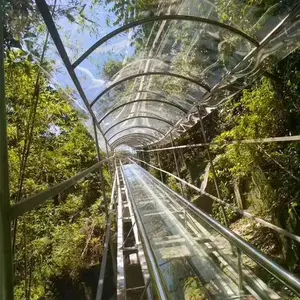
point(100, 168)
point(6, 277)
point(215, 178)
point(159, 163)
point(176, 164)
point(109, 163)
point(240, 271)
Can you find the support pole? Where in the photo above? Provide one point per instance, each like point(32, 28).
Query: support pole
point(159, 163)
point(176, 164)
point(107, 244)
point(215, 178)
point(109, 163)
point(100, 168)
point(6, 277)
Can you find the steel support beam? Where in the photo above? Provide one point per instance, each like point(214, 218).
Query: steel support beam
point(6, 274)
point(109, 163)
point(121, 280)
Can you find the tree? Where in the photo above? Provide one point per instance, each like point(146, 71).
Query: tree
point(111, 68)
point(63, 236)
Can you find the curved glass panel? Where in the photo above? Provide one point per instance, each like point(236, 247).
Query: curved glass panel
point(157, 124)
point(135, 140)
point(136, 130)
point(83, 24)
point(173, 88)
point(152, 109)
point(141, 116)
point(201, 51)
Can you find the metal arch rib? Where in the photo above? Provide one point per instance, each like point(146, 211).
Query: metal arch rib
point(132, 142)
point(132, 136)
point(135, 136)
point(137, 127)
point(139, 117)
point(204, 86)
point(162, 18)
point(143, 100)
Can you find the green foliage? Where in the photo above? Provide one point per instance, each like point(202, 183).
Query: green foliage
point(193, 289)
point(64, 236)
point(256, 115)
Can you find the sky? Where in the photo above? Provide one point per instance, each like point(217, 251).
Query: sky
point(77, 41)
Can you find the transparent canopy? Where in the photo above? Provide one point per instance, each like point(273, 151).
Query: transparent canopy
point(145, 66)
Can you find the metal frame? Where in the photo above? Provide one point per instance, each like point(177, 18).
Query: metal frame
point(162, 18)
point(6, 270)
point(7, 212)
point(143, 100)
point(133, 127)
point(138, 117)
point(204, 86)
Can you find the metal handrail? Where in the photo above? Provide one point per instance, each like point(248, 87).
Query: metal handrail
point(285, 277)
point(146, 246)
point(240, 211)
point(31, 202)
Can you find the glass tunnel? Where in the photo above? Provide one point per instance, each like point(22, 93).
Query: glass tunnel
point(167, 61)
point(146, 74)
